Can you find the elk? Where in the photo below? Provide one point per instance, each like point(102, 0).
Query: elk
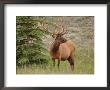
point(62, 49)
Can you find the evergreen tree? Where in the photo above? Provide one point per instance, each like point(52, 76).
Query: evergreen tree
point(29, 45)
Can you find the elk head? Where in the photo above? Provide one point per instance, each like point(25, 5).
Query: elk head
point(59, 33)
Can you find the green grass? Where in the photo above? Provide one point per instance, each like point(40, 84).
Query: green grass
point(84, 64)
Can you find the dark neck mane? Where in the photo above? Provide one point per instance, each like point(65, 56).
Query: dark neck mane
point(57, 43)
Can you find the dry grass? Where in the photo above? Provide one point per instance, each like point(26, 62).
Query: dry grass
point(84, 64)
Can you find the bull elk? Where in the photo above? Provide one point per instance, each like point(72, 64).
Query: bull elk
point(62, 49)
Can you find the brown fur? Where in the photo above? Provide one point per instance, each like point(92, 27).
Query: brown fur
point(57, 43)
point(63, 50)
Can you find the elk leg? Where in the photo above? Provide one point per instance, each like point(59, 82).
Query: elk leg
point(58, 63)
point(71, 61)
point(53, 62)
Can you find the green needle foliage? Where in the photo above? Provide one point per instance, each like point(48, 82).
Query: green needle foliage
point(30, 48)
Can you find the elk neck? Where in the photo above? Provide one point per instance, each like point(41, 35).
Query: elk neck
point(57, 43)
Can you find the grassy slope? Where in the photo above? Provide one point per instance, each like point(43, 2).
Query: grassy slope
point(84, 64)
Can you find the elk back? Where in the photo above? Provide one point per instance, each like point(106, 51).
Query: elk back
point(67, 49)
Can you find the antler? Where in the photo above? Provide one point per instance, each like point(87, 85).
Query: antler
point(44, 27)
point(61, 30)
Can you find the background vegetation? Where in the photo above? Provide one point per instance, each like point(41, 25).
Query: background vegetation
point(32, 43)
